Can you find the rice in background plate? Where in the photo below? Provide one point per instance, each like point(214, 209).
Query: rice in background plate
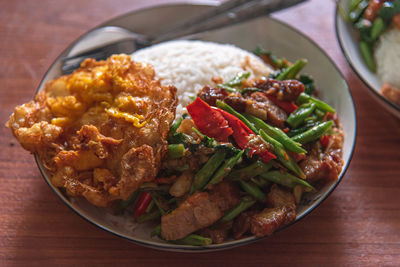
point(190, 65)
point(387, 56)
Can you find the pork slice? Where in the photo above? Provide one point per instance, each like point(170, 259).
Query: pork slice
point(269, 220)
point(198, 211)
point(275, 115)
point(324, 164)
point(287, 90)
point(278, 197)
point(210, 95)
point(241, 225)
point(218, 233)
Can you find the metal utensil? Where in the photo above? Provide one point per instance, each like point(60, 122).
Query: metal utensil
point(228, 13)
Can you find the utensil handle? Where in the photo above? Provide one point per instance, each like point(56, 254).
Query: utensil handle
point(228, 13)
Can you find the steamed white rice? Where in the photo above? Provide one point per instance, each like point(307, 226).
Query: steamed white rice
point(387, 56)
point(190, 65)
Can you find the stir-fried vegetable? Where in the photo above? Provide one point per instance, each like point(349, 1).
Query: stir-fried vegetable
point(243, 205)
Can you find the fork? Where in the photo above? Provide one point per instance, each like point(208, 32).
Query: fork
point(228, 13)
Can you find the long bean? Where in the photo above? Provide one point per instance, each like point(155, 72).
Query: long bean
point(243, 205)
point(304, 98)
point(297, 117)
point(156, 231)
point(250, 171)
point(125, 203)
point(176, 151)
point(367, 54)
point(314, 133)
point(227, 108)
point(225, 169)
point(285, 179)
point(194, 240)
point(149, 216)
point(204, 174)
point(292, 71)
point(275, 133)
point(253, 190)
point(282, 155)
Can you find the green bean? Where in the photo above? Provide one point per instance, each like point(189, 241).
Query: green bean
point(156, 231)
point(125, 203)
point(282, 155)
point(253, 190)
point(259, 181)
point(226, 168)
point(250, 171)
point(194, 240)
point(275, 133)
point(243, 205)
point(204, 174)
point(149, 216)
point(292, 71)
point(237, 80)
point(304, 98)
point(154, 198)
point(319, 113)
point(227, 108)
point(150, 206)
point(297, 131)
point(358, 10)
point(297, 117)
point(367, 54)
point(313, 133)
point(176, 151)
point(377, 28)
point(285, 179)
point(354, 4)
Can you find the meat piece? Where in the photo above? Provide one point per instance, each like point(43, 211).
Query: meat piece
point(324, 164)
point(241, 225)
point(269, 220)
point(278, 197)
point(236, 101)
point(275, 115)
point(210, 95)
point(287, 90)
point(396, 22)
point(390, 92)
point(198, 211)
point(372, 9)
point(217, 233)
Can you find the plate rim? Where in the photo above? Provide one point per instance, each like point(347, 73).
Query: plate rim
point(393, 107)
point(213, 247)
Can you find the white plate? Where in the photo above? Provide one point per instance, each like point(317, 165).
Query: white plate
point(348, 40)
point(272, 35)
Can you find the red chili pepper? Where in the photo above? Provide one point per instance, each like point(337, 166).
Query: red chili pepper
point(324, 140)
point(287, 106)
point(142, 204)
point(241, 135)
point(286, 130)
point(209, 121)
point(240, 130)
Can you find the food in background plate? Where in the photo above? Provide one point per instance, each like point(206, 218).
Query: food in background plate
point(378, 23)
point(247, 142)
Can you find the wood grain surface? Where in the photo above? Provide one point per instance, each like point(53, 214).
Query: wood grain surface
point(358, 225)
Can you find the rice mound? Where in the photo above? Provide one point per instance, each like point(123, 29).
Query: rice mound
point(190, 65)
point(387, 56)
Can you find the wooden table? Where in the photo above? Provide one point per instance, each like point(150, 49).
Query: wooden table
point(359, 224)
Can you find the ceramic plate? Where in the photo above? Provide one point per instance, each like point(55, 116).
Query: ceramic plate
point(271, 34)
point(348, 40)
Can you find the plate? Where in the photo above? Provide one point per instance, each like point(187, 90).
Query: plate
point(271, 34)
point(348, 41)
